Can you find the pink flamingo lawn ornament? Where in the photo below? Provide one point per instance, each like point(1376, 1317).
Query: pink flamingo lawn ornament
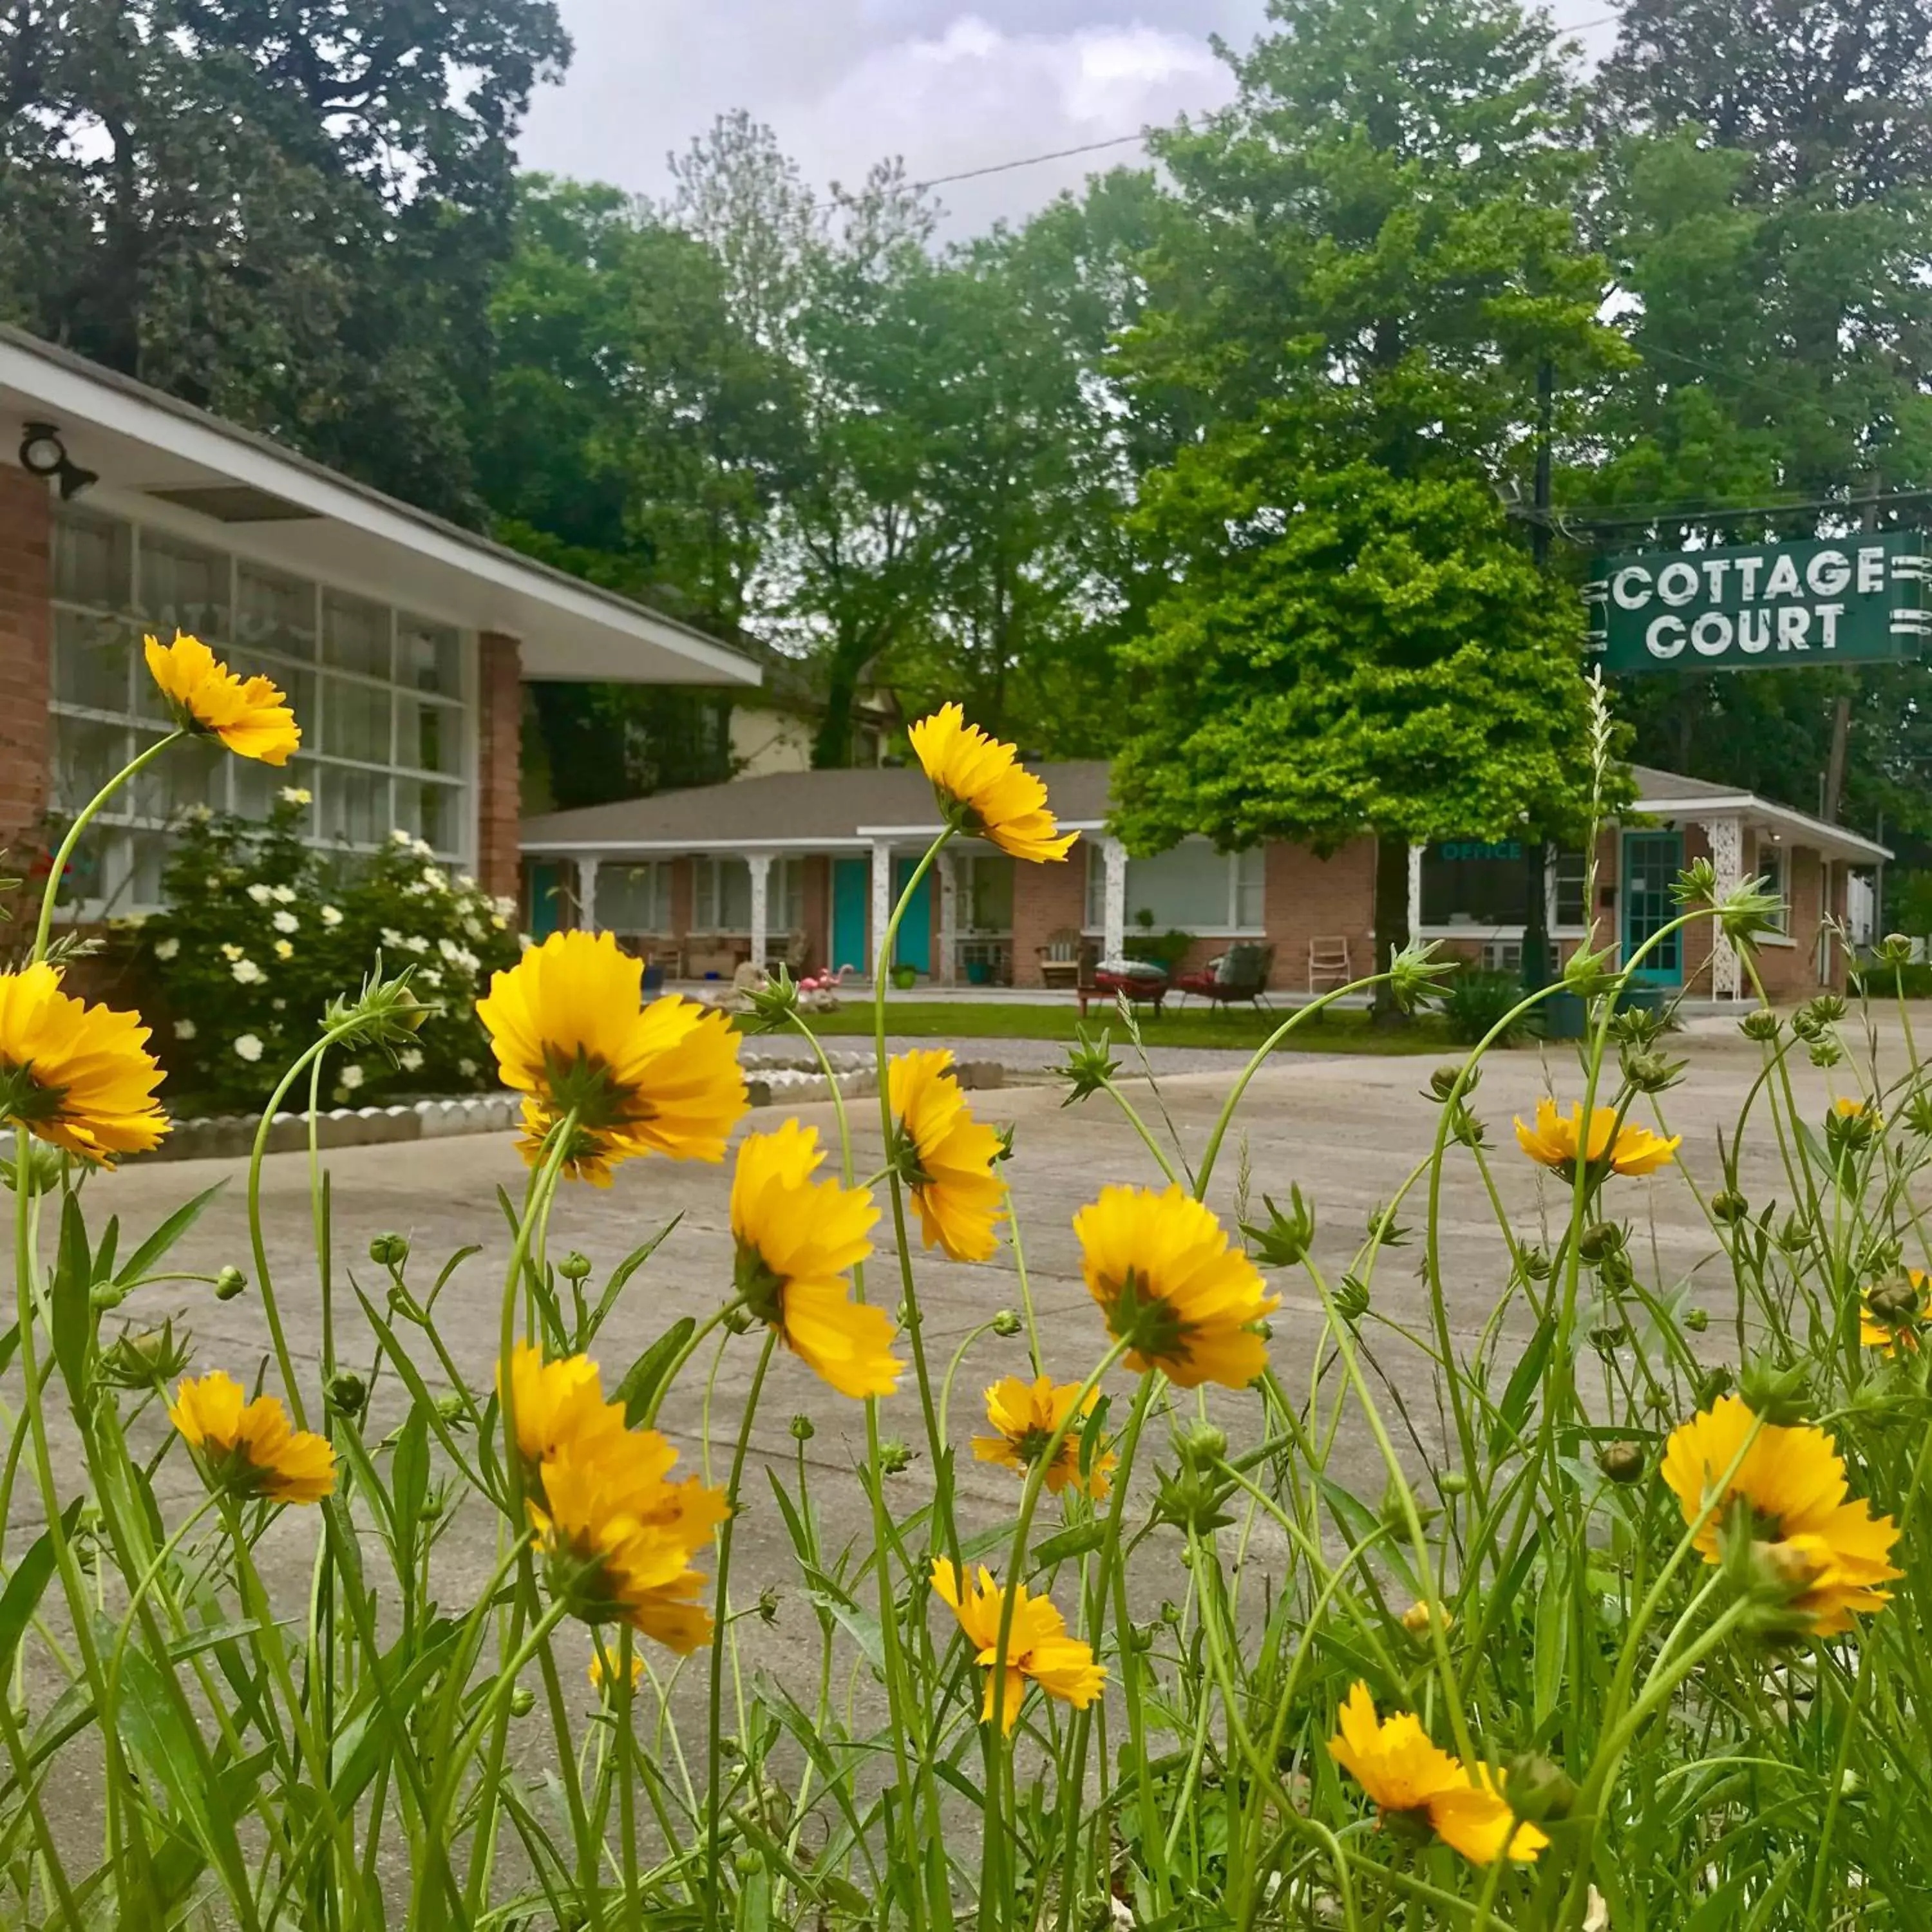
point(819, 990)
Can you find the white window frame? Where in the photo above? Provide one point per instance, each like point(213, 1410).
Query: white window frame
point(1252, 859)
point(658, 892)
point(124, 819)
point(1773, 864)
point(785, 901)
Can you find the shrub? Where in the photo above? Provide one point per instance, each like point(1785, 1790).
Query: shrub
point(259, 931)
point(1165, 949)
point(1474, 1001)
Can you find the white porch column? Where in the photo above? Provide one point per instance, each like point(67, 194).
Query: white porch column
point(761, 863)
point(882, 902)
point(946, 968)
point(587, 894)
point(1727, 860)
point(1415, 890)
point(1114, 913)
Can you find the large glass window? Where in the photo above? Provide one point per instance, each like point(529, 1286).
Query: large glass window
point(381, 696)
point(986, 902)
point(1774, 869)
point(721, 899)
point(1190, 888)
point(634, 898)
point(1486, 882)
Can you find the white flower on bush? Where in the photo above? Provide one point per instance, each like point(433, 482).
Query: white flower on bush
point(297, 795)
point(197, 814)
point(467, 1068)
point(502, 924)
point(286, 922)
point(422, 848)
point(185, 1029)
point(430, 977)
point(165, 949)
point(472, 925)
point(392, 937)
point(260, 894)
point(330, 915)
point(505, 906)
point(230, 951)
point(214, 882)
point(279, 1006)
point(351, 1076)
point(416, 943)
point(283, 950)
point(247, 973)
point(249, 1046)
point(284, 894)
point(399, 837)
point(409, 1059)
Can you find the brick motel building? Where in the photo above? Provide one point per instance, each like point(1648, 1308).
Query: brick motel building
point(803, 867)
point(402, 641)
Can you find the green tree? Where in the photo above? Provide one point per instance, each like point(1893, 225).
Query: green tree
point(1767, 221)
point(1368, 256)
point(287, 210)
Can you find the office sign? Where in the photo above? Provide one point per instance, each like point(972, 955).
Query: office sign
point(1847, 600)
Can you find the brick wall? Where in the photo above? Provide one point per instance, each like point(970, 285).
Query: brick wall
point(499, 719)
point(1307, 897)
point(1790, 972)
point(25, 730)
point(1045, 897)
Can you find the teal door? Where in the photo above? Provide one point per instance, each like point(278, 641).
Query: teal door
point(851, 912)
point(915, 940)
point(546, 900)
point(1652, 862)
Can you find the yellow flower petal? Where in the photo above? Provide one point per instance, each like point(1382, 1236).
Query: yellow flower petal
point(250, 716)
point(249, 1447)
point(959, 1199)
point(984, 790)
point(77, 1076)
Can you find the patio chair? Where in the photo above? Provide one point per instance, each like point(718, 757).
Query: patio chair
point(1241, 973)
point(1060, 958)
point(1328, 959)
point(1146, 985)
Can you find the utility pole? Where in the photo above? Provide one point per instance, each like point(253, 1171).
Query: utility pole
point(1536, 961)
point(1841, 712)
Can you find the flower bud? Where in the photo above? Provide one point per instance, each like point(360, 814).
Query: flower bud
point(1352, 1298)
point(1442, 1082)
point(1286, 1237)
point(1600, 1238)
point(1088, 1066)
point(895, 1458)
point(1711, 1384)
point(1651, 1073)
point(803, 1429)
point(1892, 952)
point(146, 1360)
point(738, 1320)
point(1622, 1462)
point(44, 1167)
point(1536, 1263)
point(1007, 1322)
point(1418, 1619)
point(574, 1266)
point(1453, 1483)
point(767, 1605)
point(522, 1701)
point(389, 1251)
point(1761, 1024)
point(228, 1283)
point(1615, 1270)
point(1697, 1320)
point(1202, 1442)
point(1780, 1395)
point(1729, 1207)
point(1607, 1337)
point(1539, 1790)
point(347, 1392)
point(1896, 1299)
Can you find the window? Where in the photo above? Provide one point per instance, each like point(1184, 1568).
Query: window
point(1190, 888)
point(1486, 882)
point(721, 896)
point(381, 697)
point(634, 898)
point(986, 902)
point(1773, 868)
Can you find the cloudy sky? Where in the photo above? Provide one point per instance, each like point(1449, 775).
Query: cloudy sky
point(950, 86)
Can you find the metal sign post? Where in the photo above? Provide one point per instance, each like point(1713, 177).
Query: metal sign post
point(1852, 600)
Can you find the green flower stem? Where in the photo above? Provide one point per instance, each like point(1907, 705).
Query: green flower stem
point(45, 924)
point(994, 1882)
point(707, 1326)
point(1140, 1126)
point(1027, 1312)
point(952, 1370)
point(714, 1757)
point(29, 1785)
point(1205, 1172)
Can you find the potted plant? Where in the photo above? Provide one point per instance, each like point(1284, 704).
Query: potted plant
point(905, 977)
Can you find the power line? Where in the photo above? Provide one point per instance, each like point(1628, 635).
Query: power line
point(1125, 140)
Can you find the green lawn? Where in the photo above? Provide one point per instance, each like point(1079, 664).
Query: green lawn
point(967, 1019)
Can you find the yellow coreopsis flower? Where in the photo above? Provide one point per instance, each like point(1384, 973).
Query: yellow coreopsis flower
point(568, 1031)
point(559, 1405)
point(1892, 1313)
point(796, 1238)
point(946, 1156)
point(1023, 1416)
point(618, 1538)
point(1394, 1761)
point(1038, 1651)
point(78, 1076)
point(984, 790)
point(250, 716)
point(248, 1448)
point(1161, 1268)
point(1554, 1139)
point(604, 1675)
point(1833, 1551)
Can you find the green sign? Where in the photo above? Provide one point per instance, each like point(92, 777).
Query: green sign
point(1854, 599)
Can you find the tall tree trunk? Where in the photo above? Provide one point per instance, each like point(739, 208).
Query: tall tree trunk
point(1391, 920)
